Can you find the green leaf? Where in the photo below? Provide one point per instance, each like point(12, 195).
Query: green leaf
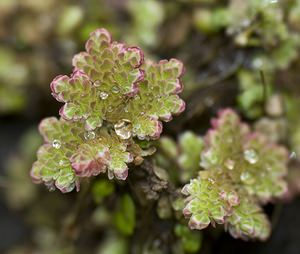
point(190, 146)
point(125, 215)
point(191, 241)
point(101, 189)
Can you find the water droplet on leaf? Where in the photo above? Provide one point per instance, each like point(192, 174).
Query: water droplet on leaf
point(230, 164)
point(137, 97)
point(115, 89)
point(62, 163)
point(103, 95)
point(89, 135)
point(251, 156)
point(56, 144)
point(123, 129)
point(211, 157)
point(211, 180)
point(97, 83)
point(247, 178)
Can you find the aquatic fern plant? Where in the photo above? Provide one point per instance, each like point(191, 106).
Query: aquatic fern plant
point(114, 103)
point(112, 99)
point(241, 170)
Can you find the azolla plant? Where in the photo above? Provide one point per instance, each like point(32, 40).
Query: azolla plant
point(112, 99)
point(114, 103)
point(241, 171)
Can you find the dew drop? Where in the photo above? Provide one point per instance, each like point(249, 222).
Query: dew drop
point(136, 127)
point(230, 164)
point(89, 135)
point(211, 180)
point(251, 156)
point(123, 129)
point(211, 157)
point(110, 109)
point(247, 178)
point(103, 95)
point(97, 83)
point(137, 97)
point(62, 163)
point(257, 63)
point(56, 144)
point(115, 89)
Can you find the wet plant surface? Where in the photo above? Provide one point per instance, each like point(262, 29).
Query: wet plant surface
point(137, 150)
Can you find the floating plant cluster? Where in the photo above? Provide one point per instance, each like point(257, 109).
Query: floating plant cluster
point(112, 98)
point(141, 191)
point(241, 171)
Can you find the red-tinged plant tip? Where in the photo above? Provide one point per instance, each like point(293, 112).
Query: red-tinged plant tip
point(70, 152)
point(111, 97)
point(112, 82)
point(242, 169)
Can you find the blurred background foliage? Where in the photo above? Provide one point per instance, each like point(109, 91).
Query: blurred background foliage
point(237, 53)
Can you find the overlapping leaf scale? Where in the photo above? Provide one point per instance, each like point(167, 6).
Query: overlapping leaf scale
point(252, 166)
point(78, 93)
point(53, 166)
point(157, 98)
point(90, 159)
point(110, 83)
point(223, 141)
point(70, 152)
point(53, 169)
point(119, 155)
point(248, 221)
point(248, 158)
point(208, 201)
point(103, 76)
point(103, 152)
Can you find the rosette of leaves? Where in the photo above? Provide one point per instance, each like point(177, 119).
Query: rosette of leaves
point(242, 170)
point(112, 98)
point(147, 16)
point(262, 24)
point(253, 22)
point(252, 92)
